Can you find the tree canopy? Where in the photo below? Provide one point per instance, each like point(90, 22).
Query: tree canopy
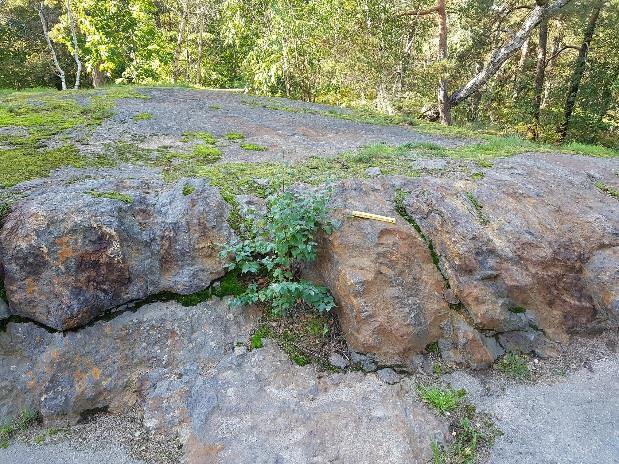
point(548, 69)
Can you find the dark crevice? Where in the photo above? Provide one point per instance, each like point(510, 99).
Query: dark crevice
point(224, 286)
point(401, 210)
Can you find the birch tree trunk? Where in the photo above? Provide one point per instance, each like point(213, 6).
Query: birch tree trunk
point(579, 70)
point(179, 42)
point(540, 74)
point(500, 56)
point(444, 105)
point(76, 56)
point(59, 70)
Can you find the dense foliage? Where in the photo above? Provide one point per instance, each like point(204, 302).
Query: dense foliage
point(276, 247)
point(382, 53)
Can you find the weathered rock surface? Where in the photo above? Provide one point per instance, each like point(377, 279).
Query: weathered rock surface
point(389, 292)
point(259, 407)
point(532, 246)
point(4, 309)
point(106, 364)
point(225, 405)
point(70, 252)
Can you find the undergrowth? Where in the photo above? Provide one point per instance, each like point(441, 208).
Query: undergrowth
point(26, 419)
point(276, 247)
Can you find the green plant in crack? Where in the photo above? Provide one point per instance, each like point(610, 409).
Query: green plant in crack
point(613, 192)
point(202, 136)
point(443, 400)
point(234, 136)
point(207, 153)
point(477, 206)
point(25, 419)
point(275, 249)
point(111, 196)
point(142, 117)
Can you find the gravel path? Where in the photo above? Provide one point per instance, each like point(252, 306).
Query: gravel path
point(63, 453)
point(294, 133)
point(571, 421)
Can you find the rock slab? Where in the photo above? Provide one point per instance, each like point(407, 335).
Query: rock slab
point(74, 250)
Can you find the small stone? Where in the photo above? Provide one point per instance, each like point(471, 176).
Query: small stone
point(339, 361)
point(366, 363)
point(4, 309)
point(373, 172)
point(240, 350)
point(261, 182)
point(388, 376)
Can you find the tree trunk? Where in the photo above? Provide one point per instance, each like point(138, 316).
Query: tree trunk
point(98, 77)
point(444, 106)
point(59, 70)
point(579, 70)
point(200, 50)
point(500, 56)
point(76, 57)
point(540, 74)
point(179, 42)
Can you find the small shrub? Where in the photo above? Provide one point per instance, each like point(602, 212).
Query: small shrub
point(514, 366)
point(253, 147)
point(442, 400)
point(276, 248)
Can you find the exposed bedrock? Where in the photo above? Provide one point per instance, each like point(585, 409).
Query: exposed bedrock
point(522, 258)
point(72, 251)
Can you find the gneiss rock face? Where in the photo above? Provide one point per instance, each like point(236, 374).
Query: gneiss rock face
point(71, 252)
point(389, 292)
point(180, 368)
point(531, 247)
point(108, 363)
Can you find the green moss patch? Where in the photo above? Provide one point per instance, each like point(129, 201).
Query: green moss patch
point(142, 117)
point(207, 153)
point(111, 196)
point(234, 136)
point(252, 147)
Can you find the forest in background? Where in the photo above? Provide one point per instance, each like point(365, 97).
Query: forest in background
point(546, 69)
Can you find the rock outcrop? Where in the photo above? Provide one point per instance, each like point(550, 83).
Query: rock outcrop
point(179, 366)
point(106, 364)
point(72, 251)
point(389, 292)
point(530, 251)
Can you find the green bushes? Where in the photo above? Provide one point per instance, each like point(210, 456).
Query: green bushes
point(276, 247)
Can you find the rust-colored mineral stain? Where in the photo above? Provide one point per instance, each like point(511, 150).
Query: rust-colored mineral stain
point(95, 372)
point(65, 250)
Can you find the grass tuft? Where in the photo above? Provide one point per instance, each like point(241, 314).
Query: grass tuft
point(514, 366)
point(252, 147)
point(443, 400)
point(111, 196)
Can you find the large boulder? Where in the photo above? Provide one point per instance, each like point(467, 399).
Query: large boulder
point(73, 250)
point(389, 292)
point(531, 250)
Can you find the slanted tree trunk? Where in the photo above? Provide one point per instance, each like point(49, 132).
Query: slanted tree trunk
point(540, 73)
point(500, 56)
point(59, 70)
point(444, 106)
point(76, 56)
point(579, 70)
